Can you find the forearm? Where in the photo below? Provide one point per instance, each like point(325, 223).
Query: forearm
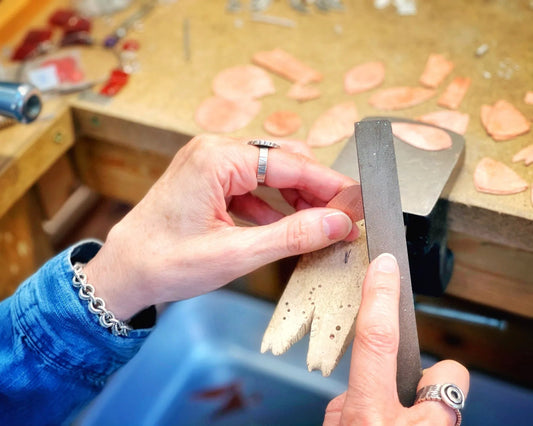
point(54, 355)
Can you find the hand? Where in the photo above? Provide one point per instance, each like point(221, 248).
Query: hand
point(181, 241)
point(371, 398)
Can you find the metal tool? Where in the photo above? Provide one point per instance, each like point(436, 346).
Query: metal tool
point(259, 5)
point(386, 234)
point(186, 40)
point(120, 32)
point(20, 101)
point(424, 177)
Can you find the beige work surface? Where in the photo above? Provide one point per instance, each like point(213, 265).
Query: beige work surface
point(168, 88)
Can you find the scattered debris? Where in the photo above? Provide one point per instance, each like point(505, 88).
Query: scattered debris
point(222, 115)
point(452, 120)
point(186, 40)
point(482, 49)
point(436, 70)
point(334, 125)
point(494, 177)
point(243, 82)
point(403, 7)
point(381, 4)
point(507, 68)
point(364, 77)
point(525, 155)
point(303, 92)
point(401, 97)
point(299, 5)
point(454, 93)
point(421, 136)
point(259, 5)
point(287, 66)
point(233, 6)
point(528, 98)
point(273, 20)
point(503, 121)
point(327, 5)
point(282, 123)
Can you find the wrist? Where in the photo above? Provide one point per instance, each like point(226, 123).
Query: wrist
point(111, 281)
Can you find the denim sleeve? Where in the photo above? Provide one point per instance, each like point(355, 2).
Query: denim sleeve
point(54, 355)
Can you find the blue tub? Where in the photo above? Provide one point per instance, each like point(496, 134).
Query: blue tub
point(202, 366)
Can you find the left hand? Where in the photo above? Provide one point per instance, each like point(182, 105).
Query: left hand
point(180, 241)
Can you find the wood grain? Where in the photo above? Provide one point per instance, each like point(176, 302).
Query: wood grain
point(23, 244)
point(492, 274)
point(43, 145)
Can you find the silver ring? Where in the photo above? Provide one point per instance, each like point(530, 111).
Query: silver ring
point(263, 146)
point(448, 393)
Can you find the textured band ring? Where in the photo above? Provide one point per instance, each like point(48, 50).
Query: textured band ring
point(448, 393)
point(263, 146)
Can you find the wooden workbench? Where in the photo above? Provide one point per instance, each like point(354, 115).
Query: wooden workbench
point(123, 146)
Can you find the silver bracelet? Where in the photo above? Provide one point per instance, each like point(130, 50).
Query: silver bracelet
point(96, 305)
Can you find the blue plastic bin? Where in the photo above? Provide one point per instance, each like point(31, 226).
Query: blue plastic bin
point(202, 366)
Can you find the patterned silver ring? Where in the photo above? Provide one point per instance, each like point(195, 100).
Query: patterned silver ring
point(263, 146)
point(448, 393)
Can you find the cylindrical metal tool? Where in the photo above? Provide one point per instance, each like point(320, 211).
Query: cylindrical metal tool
point(19, 101)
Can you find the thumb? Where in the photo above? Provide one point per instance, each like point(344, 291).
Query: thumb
point(301, 232)
point(304, 231)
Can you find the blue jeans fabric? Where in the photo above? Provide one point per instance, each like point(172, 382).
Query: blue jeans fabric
point(54, 355)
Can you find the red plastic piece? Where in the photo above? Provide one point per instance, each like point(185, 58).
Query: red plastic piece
point(67, 69)
point(78, 38)
point(30, 43)
point(131, 44)
point(117, 80)
point(77, 23)
point(38, 36)
point(61, 16)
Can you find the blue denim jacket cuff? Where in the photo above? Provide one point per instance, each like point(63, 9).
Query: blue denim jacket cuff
point(59, 327)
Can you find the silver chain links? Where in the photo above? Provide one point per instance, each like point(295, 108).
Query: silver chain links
point(96, 304)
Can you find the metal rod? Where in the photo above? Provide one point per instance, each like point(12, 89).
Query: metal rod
point(20, 101)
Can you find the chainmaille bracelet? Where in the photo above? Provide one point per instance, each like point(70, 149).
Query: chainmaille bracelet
point(96, 305)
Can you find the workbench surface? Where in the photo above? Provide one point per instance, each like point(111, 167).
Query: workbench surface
point(168, 88)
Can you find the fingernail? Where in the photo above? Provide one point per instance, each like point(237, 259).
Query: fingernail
point(336, 225)
point(386, 262)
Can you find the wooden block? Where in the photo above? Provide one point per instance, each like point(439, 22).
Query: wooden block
point(33, 158)
point(492, 274)
point(128, 133)
point(71, 214)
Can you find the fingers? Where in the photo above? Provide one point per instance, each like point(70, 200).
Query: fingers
point(443, 372)
point(447, 371)
point(287, 170)
point(295, 146)
point(234, 164)
point(301, 232)
point(372, 392)
point(254, 209)
point(294, 166)
point(333, 413)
